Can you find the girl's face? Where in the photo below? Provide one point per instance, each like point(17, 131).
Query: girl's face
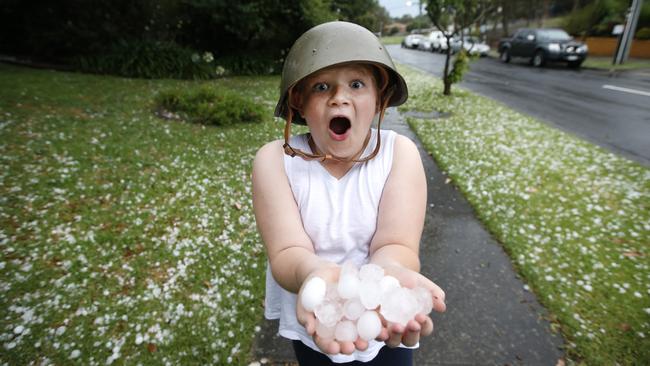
point(339, 104)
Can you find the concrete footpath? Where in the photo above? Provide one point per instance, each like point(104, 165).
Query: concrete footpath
point(490, 319)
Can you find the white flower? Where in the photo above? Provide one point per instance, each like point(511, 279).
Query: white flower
point(207, 57)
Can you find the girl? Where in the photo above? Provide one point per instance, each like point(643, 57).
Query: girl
point(342, 192)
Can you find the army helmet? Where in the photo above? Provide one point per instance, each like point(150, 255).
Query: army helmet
point(330, 44)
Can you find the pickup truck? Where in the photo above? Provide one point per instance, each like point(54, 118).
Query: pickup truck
point(543, 45)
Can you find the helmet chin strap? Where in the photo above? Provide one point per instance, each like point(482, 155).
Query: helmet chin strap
point(291, 151)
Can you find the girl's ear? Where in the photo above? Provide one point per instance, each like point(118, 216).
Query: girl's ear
point(295, 99)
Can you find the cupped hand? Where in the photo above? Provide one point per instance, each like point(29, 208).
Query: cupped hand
point(394, 334)
point(308, 320)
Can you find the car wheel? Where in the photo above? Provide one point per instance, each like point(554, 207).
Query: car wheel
point(575, 64)
point(505, 55)
point(539, 59)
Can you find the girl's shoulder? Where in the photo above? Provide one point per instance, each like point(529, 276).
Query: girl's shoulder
point(269, 157)
point(270, 150)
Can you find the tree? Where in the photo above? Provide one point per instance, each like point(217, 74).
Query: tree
point(452, 17)
point(367, 13)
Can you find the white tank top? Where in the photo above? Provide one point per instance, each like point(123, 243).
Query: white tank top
point(340, 217)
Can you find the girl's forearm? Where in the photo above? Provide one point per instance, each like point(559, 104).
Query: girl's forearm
point(292, 266)
point(396, 255)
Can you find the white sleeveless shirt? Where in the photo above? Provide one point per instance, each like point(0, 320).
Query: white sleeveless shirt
point(340, 217)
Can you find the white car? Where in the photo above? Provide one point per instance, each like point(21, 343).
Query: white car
point(433, 41)
point(412, 40)
point(472, 45)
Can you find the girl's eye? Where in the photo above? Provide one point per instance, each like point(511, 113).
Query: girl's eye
point(319, 87)
point(357, 84)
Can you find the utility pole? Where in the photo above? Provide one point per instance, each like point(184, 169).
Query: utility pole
point(626, 38)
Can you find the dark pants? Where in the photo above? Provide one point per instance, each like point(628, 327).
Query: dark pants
point(386, 357)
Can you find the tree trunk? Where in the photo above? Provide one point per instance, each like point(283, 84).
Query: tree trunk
point(505, 19)
point(545, 13)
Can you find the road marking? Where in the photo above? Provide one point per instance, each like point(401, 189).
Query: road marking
point(626, 90)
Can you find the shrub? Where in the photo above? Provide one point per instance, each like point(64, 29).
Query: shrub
point(150, 60)
point(643, 33)
point(210, 106)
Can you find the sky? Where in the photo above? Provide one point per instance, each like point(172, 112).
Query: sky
point(397, 8)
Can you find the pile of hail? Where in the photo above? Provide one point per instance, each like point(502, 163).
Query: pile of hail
point(350, 308)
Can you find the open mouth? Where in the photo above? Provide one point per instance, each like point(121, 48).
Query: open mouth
point(340, 125)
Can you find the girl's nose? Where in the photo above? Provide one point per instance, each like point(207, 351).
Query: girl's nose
point(339, 96)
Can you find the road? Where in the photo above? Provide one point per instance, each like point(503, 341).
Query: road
point(612, 111)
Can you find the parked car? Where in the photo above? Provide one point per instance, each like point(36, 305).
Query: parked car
point(472, 45)
point(543, 45)
point(412, 40)
point(433, 41)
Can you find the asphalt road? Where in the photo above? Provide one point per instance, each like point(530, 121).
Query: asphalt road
point(610, 110)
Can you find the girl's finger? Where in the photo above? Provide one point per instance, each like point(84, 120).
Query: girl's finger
point(328, 346)
point(395, 331)
point(438, 299)
point(426, 324)
point(361, 344)
point(411, 334)
point(347, 348)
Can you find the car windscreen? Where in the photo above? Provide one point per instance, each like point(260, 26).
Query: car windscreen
point(553, 35)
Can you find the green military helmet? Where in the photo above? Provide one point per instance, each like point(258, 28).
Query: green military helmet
point(330, 44)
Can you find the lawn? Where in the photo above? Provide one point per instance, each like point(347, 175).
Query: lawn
point(574, 218)
point(130, 239)
point(125, 238)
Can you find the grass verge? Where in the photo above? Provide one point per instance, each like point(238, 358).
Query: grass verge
point(125, 238)
point(605, 63)
point(392, 40)
point(575, 219)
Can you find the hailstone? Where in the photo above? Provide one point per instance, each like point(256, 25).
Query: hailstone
point(348, 286)
point(369, 325)
point(313, 294)
point(345, 331)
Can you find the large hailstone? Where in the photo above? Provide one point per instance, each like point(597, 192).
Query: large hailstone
point(370, 294)
point(388, 283)
point(348, 287)
point(345, 331)
point(329, 312)
point(371, 272)
point(353, 308)
point(369, 325)
point(313, 294)
point(399, 306)
point(324, 331)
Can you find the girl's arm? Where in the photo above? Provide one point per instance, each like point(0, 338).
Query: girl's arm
point(289, 248)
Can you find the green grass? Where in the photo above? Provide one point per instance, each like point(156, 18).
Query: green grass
point(125, 238)
point(392, 40)
point(606, 63)
point(574, 218)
